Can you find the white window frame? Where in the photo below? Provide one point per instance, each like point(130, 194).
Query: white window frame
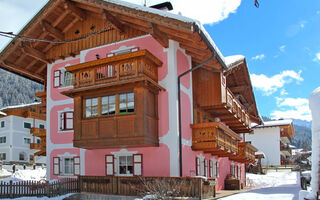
point(201, 159)
point(25, 122)
point(124, 152)
point(61, 164)
point(4, 124)
point(67, 109)
point(2, 138)
point(1, 155)
point(26, 139)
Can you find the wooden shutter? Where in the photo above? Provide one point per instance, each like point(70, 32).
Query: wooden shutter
point(76, 165)
point(56, 78)
point(197, 166)
point(205, 168)
point(56, 165)
point(62, 121)
point(217, 169)
point(210, 168)
point(137, 164)
point(68, 118)
point(109, 165)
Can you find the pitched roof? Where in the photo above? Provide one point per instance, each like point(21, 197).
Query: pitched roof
point(275, 123)
point(55, 20)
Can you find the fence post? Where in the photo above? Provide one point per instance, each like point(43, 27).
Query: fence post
point(10, 188)
point(47, 189)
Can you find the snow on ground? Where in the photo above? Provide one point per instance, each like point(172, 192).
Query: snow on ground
point(272, 186)
point(28, 174)
point(42, 198)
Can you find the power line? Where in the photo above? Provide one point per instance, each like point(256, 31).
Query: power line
point(30, 39)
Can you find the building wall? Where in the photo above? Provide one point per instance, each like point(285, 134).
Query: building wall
point(157, 161)
point(267, 140)
point(15, 133)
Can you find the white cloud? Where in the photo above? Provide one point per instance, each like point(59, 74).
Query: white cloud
point(282, 48)
point(317, 58)
point(258, 57)
point(206, 11)
point(283, 92)
point(269, 85)
point(294, 108)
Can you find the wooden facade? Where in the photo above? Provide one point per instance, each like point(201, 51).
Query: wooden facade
point(246, 153)
point(287, 133)
point(134, 72)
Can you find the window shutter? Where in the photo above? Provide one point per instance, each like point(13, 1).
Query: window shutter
point(56, 165)
point(197, 166)
point(109, 165)
point(239, 172)
point(76, 165)
point(217, 169)
point(62, 125)
point(210, 168)
point(206, 168)
point(137, 164)
point(56, 78)
point(69, 120)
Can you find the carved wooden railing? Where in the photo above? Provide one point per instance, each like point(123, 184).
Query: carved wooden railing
point(38, 132)
point(214, 137)
point(35, 146)
point(117, 68)
point(246, 153)
point(236, 107)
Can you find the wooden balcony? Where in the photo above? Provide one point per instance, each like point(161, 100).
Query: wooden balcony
point(285, 149)
point(35, 146)
point(212, 96)
point(38, 132)
point(246, 153)
point(122, 69)
point(35, 115)
point(286, 134)
point(215, 138)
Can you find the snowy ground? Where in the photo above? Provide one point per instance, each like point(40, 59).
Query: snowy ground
point(272, 186)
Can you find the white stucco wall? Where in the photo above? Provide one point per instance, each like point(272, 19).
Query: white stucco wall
point(267, 140)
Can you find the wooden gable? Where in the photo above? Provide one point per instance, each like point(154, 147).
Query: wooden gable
point(65, 27)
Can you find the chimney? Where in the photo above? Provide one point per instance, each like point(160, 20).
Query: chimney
point(165, 6)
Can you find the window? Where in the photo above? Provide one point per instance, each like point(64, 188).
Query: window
point(41, 126)
point(66, 166)
point(92, 107)
point(2, 124)
point(66, 121)
point(27, 125)
point(127, 165)
point(206, 168)
point(62, 78)
point(38, 141)
point(3, 156)
point(201, 168)
point(3, 139)
point(22, 156)
point(108, 105)
point(126, 104)
point(27, 140)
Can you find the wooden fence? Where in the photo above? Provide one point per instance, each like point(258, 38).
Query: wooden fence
point(33, 188)
point(137, 186)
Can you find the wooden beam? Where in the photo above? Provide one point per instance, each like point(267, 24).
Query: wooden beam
point(161, 37)
point(21, 71)
point(35, 54)
point(40, 69)
point(31, 64)
point(107, 16)
point(56, 33)
point(239, 88)
point(78, 12)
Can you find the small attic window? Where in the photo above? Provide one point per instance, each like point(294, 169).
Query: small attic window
point(77, 32)
point(92, 27)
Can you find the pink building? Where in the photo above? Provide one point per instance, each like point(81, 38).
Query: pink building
point(112, 93)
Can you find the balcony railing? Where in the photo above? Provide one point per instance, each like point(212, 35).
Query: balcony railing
point(246, 153)
point(35, 115)
point(215, 138)
point(285, 149)
point(139, 64)
point(236, 108)
point(35, 146)
point(38, 132)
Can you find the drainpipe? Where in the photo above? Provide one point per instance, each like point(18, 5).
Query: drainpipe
point(179, 106)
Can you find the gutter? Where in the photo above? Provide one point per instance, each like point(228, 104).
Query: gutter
point(179, 106)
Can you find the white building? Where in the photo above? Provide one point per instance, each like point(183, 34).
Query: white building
point(273, 138)
point(15, 135)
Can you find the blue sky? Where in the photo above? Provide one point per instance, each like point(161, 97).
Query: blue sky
point(280, 40)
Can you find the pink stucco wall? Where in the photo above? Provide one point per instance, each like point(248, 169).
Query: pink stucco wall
point(56, 136)
point(183, 65)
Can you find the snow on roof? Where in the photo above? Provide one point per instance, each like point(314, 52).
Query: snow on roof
point(20, 106)
point(234, 60)
point(2, 113)
point(172, 16)
point(275, 123)
point(260, 153)
point(292, 146)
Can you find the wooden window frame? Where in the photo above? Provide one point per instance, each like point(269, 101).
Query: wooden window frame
point(210, 168)
point(126, 102)
point(56, 165)
point(63, 121)
point(98, 107)
point(205, 167)
point(117, 105)
point(110, 163)
point(134, 162)
point(76, 164)
point(197, 166)
point(108, 105)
